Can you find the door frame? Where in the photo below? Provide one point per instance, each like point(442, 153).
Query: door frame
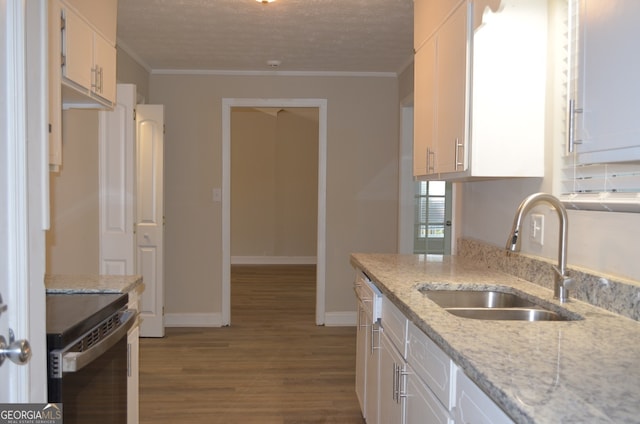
point(227, 105)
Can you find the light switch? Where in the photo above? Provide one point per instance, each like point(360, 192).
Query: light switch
point(217, 194)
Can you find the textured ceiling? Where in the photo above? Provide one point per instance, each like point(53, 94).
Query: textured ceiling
point(242, 35)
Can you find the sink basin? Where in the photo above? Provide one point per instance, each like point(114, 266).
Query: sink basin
point(492, 305)
point(507, 314)
point(477, 299)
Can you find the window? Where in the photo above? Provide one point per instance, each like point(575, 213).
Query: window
point(601, 170)
point(432, 217)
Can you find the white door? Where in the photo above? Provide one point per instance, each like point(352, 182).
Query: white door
point(150, 217)
point(117, 144)
point(23, 193)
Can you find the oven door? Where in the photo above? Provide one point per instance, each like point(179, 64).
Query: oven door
point(92, 386)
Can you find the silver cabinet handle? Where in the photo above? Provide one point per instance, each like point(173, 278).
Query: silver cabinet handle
point(431, 162)
point(571, 141)
point(457, 153)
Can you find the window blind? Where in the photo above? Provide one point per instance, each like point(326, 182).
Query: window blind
point(592, 181)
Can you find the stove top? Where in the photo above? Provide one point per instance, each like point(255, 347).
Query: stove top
point(69, 316)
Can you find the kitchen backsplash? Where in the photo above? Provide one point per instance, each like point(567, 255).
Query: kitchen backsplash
point(614, 294)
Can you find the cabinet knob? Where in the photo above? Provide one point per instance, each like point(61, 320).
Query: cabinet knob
point(18, 351)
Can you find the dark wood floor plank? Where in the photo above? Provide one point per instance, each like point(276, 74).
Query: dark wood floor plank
point(273, 365)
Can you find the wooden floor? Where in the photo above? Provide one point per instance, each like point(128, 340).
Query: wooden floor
point(273, 365)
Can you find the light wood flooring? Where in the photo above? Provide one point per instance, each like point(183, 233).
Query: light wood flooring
point(273, 365)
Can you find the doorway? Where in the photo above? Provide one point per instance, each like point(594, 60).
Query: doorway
point(273, 106)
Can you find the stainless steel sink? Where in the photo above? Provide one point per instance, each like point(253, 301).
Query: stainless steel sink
point(492, 305)
point(507, 314)
point(477, 299)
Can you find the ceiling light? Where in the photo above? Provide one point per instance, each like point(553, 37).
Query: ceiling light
point(265, 1)
point(273, 63)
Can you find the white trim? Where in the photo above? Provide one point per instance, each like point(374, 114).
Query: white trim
point(273, 260)
point(227, 104)
point(193, 320)
point(341, 319)
point(273, 73)
point(406, 184)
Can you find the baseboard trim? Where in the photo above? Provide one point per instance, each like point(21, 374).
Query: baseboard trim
point(193, 320)
point(331, 319)
point(273, 260)
point(340, 319)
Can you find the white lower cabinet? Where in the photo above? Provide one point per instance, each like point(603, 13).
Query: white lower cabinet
point(474, 406)
point(133, 362)
point(361, 356)
point(372, 388)
point(421, 405)
point(368, 347)
point(403, 377)
point(393, 370)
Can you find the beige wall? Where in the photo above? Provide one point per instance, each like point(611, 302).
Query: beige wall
point(362, 163)
point(274, 182)
point(129, 71)
point(72, 241)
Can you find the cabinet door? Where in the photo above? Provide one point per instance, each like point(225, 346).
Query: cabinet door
point(361, 357)
point(372, 411)
point(104, 56)
point(77, 45)
point(608, 63)
point(428, 15)
point(55, 90)
point(392, 388)
point(422, 405)
point(133, 380)
point(424, 108)
point(451, 83)
point(474, 406)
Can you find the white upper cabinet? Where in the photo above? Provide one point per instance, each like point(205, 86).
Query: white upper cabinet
point(606, 97)
point(441, 87)
point(482, 114)
point(428, 16)
point(88, 61)
point(102, 15)
point(82, 62)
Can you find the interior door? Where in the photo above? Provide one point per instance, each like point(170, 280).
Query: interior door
point(117, 144)
point(150, 216)
point(23, 194)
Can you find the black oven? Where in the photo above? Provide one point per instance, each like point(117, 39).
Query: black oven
point(87, 356)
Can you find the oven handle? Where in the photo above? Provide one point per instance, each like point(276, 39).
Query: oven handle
point(75, 361)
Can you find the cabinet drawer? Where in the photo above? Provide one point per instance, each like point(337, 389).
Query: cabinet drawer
point(432, 365)
point(394, 325)
point(474, 406)
point(422, 405)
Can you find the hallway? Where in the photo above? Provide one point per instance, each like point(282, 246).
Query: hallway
point(273, 365)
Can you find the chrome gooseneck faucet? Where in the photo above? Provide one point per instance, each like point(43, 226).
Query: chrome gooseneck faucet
point(561, 280)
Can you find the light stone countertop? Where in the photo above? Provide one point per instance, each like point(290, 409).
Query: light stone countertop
point(91, 283)
point(582, 371)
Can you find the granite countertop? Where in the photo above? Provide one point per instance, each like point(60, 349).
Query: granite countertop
point(92, 283)
point(586, 370)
